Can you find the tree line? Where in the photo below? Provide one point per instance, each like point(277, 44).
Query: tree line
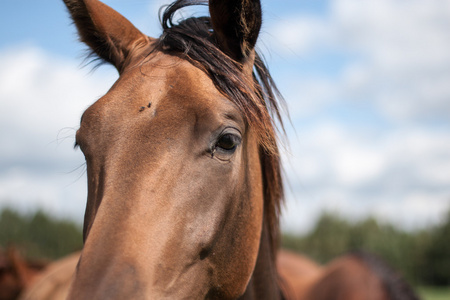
point(39, 236)
point(423, 257)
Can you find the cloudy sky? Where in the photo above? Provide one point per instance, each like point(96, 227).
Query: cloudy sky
point(367, 85)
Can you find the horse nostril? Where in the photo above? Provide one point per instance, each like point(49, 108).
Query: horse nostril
point(204, 253)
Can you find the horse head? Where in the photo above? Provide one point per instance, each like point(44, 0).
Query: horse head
point(183, 169)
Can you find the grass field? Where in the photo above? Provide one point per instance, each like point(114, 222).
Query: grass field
point(434, 293)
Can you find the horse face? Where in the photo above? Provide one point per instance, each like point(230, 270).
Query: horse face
point(175, 199)
point(174, 186)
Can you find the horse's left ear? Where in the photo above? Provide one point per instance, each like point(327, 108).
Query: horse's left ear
point(110, 35)
point(236, 25)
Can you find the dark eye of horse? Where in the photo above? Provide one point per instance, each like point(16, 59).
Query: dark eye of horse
point(228, 142)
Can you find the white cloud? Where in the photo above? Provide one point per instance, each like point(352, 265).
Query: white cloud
point(299, 34)
point(397, 34)
point(400, 176)
point(62, 195)
point(388, 61)
point(307, 96)
point(42, 98)
point(397, 54)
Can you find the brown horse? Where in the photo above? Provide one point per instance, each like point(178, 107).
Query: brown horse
point(354, 276)
point(357, 276)
point(298, 273)
point(16, 273)
point(184, 183)
point(54, 281)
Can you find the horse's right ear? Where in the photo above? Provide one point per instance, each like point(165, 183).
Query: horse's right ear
point(110, 35)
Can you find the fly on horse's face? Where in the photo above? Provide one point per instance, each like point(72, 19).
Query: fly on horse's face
point(177, 207)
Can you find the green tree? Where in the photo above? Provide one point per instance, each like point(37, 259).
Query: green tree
point(436, 269)
point(39, 235)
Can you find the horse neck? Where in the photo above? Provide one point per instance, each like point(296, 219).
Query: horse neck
point(264, 281)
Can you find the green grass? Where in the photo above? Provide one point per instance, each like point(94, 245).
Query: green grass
point(434, 293)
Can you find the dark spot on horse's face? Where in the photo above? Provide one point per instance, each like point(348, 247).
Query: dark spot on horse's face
point(141, 108)
point(204, 253)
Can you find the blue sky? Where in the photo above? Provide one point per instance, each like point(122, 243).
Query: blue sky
point(366, 84)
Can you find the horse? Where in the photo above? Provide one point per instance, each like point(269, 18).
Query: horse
point(298, 273)
point(182, 158)
point(16, 273)
point(54, 281)
point(357, 275)
point(183, 165)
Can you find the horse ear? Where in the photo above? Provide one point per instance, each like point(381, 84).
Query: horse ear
point(109, 35)
point(236, 25)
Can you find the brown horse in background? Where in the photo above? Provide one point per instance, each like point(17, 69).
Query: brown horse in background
point(354, 276)
point(298, 273)
point(54, 281)
point(184, 184)
point(16, 273)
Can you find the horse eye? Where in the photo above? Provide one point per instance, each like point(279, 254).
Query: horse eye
point(228, 142)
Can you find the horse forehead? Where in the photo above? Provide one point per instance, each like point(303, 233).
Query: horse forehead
point(163, 80)
point(165, 93)
point(177, 80)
